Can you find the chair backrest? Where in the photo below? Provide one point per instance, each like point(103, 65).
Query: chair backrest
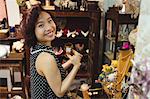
point(124, 63)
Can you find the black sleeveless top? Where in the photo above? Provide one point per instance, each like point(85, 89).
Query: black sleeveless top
point(39, 85)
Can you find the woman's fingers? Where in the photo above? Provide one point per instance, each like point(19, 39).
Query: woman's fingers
point(69, 56)
point(76, 53)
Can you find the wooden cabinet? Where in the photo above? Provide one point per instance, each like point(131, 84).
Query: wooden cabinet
point(87, 21)
point(14, 63)
point(117, 29)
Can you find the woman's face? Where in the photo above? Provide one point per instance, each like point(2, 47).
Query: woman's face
point(45, 28)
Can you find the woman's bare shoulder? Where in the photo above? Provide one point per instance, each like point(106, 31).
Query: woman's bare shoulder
point(45, 61)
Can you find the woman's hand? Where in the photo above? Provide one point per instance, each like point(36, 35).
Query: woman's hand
point(75, 58)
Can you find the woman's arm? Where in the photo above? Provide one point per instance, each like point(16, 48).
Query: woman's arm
point(66, 64)
point(46, 64)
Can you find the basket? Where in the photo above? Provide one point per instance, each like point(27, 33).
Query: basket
point(4, 33)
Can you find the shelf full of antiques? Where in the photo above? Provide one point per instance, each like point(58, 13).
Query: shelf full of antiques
point(79, 30)
point(117, 30)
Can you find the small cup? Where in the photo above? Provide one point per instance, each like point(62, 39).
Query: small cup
point(68, 48)
point(12, 32)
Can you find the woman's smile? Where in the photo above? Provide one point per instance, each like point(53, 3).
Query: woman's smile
point(49, 34)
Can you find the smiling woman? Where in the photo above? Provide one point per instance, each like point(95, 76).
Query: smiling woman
point(47, 75)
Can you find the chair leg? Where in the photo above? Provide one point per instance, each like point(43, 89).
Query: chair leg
point(27, 86)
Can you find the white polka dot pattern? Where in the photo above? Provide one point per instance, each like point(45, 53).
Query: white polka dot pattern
point(39, 86)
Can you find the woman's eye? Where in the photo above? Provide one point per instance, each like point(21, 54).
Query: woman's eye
point(49, 21)
point(41, 25)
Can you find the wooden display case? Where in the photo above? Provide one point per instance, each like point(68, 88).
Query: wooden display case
point(117, 29)
point(86, 21)
point(14, 63)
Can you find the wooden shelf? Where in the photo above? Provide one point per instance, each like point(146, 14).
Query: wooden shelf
point(4, 90)
point(109, 55)
point(15, 63)
point(86, 21)
point(117, 19)
point(126, 19)
point(73, 40)
point(10, 39)
point(112, 39)
point(113, 14)
point(9, 65)
point(80, 38)
point(70, 13)
point(11, 59)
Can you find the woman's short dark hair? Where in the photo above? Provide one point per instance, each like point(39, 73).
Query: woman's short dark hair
point(28, 24)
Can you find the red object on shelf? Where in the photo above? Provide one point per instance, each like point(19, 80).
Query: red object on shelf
point(65, 31)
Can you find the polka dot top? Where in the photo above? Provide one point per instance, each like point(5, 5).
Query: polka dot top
point(39, 85)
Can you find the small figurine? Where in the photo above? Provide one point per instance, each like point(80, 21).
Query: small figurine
point(59, 33)
point(85, 34)
point(133, 36)
point(3, 51)
point(58, 50)
point(68, 48)
point(16, 97)
point(84, 88)
point(18, 46)
point(65, 4)
point(132, 7)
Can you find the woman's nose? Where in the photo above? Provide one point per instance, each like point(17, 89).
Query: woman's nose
point(48, 27)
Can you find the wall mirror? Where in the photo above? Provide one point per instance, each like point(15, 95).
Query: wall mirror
point(9, 17)
point(3, 15)
point(9, 11)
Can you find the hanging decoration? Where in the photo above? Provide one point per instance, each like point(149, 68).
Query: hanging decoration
point(21, 2)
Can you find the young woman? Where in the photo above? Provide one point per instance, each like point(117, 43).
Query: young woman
point(48, 77)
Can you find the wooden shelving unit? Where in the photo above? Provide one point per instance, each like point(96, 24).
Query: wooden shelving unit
point(86, 21)
point(14, 63)
point(113, 21)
